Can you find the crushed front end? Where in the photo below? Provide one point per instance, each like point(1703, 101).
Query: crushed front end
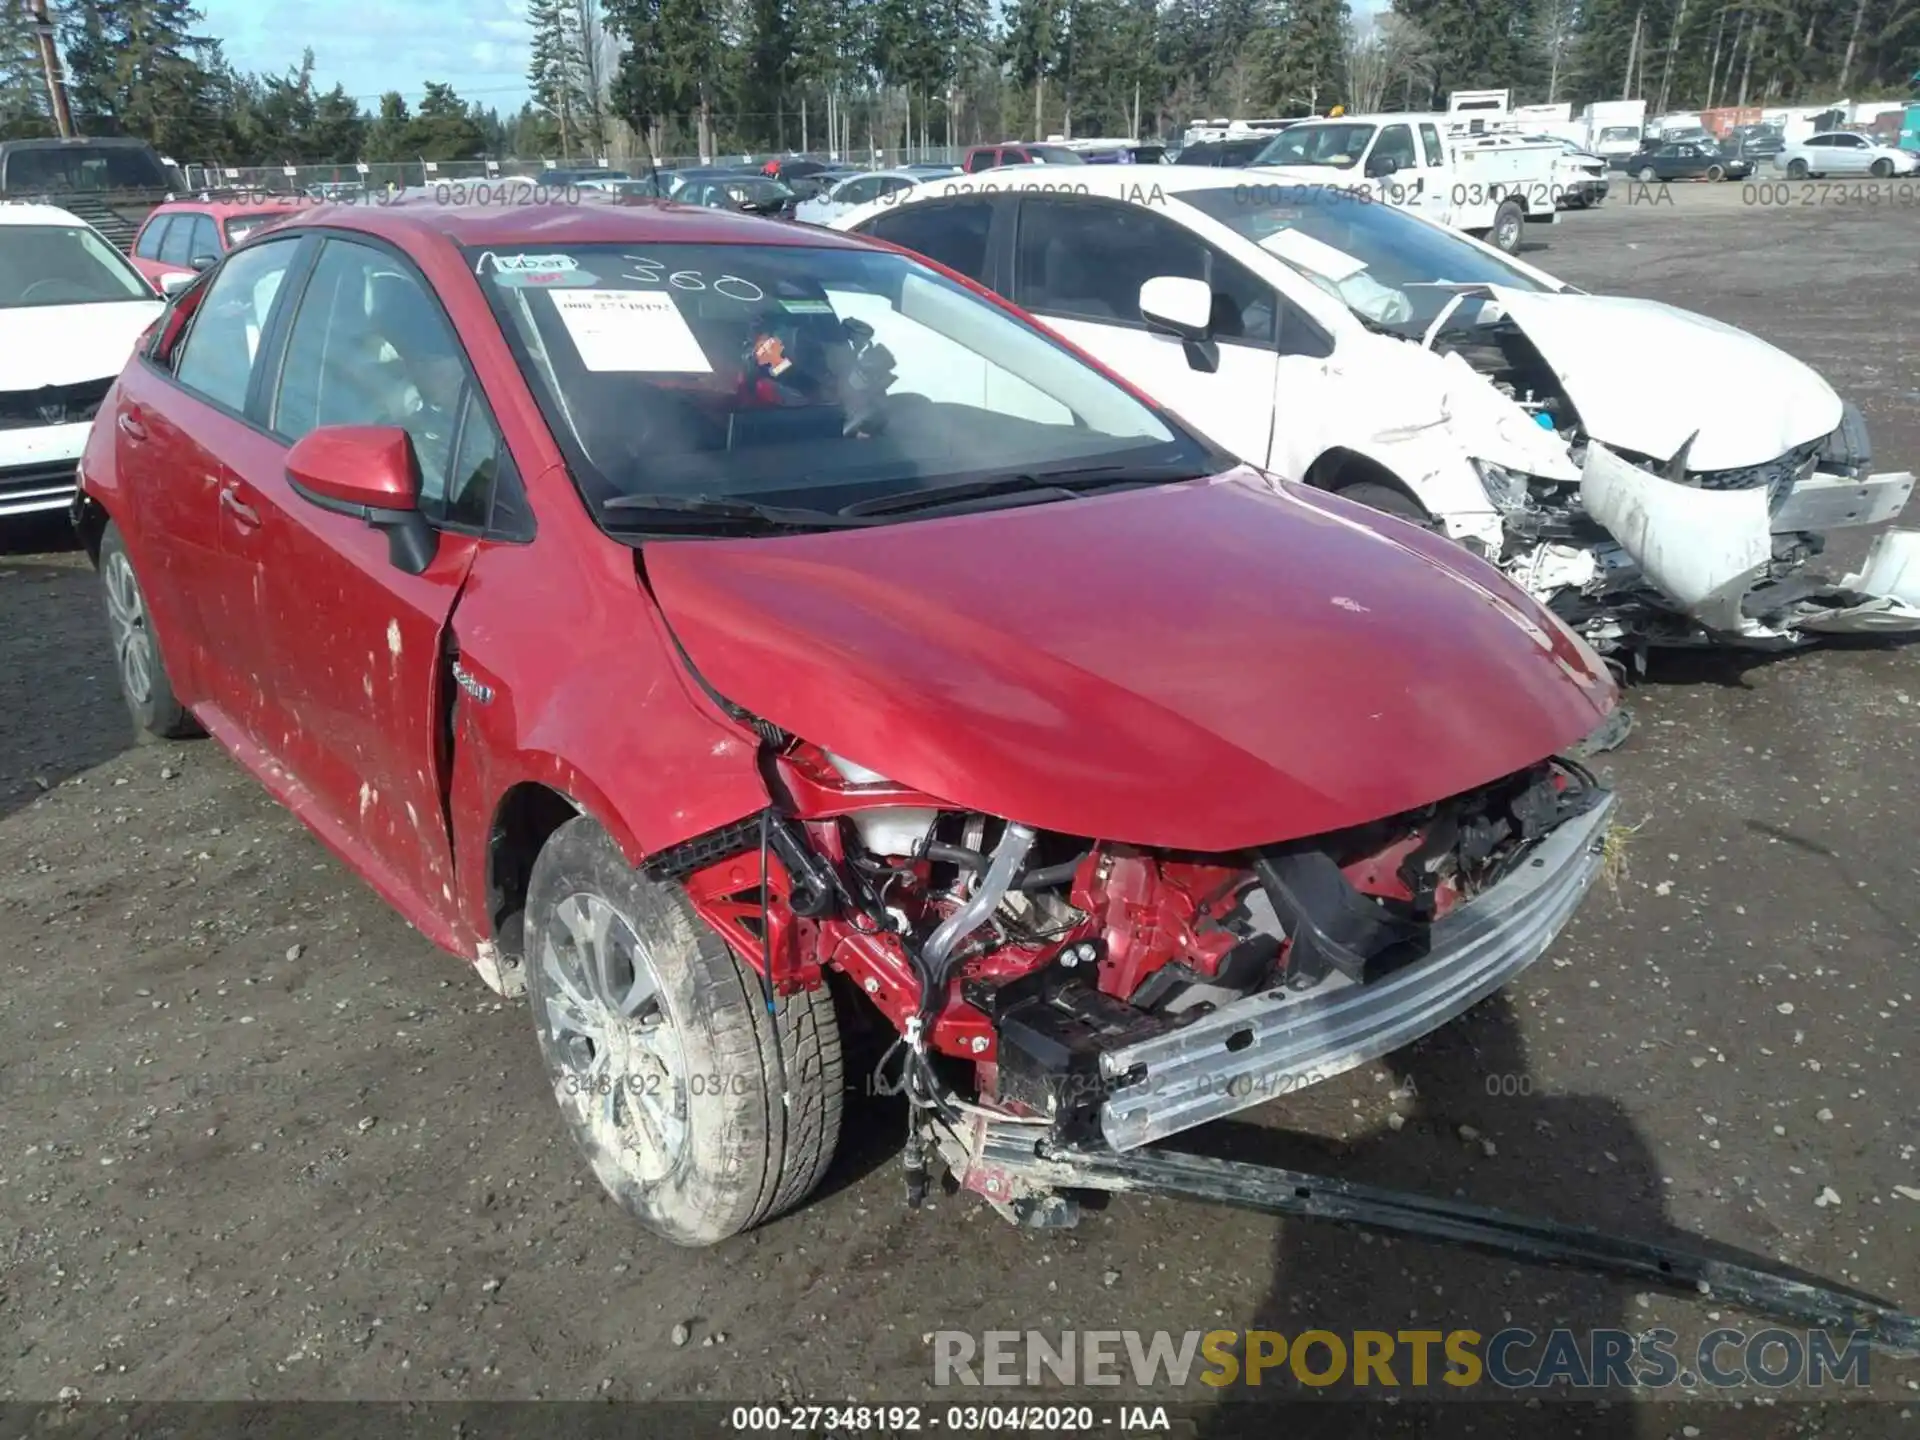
point(1116, 994)
point(1644, 551)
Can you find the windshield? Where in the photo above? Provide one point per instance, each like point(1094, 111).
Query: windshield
point(1384, 264)
point(1619, 135)
point(790, 375)
point(63, 265)
point(84, 167)
point(1339, 146)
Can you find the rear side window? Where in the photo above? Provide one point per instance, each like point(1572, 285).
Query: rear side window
point(217, 357)
point(1430, 140)
point(951, 232)
point(150, 238)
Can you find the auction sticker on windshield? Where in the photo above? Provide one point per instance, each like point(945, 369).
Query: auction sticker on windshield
point(631, 330)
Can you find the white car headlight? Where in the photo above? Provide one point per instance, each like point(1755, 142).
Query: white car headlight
point(1507, 489)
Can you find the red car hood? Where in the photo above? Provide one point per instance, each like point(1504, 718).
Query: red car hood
point(1205, 666)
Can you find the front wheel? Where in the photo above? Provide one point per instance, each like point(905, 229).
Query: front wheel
point(1716, 173)
point(702, 1114)
point(1377, 495)
point(1509, 224)
point(144, 682)
point(1882, 168)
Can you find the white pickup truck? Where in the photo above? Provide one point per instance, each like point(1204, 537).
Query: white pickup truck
point(1492, 192)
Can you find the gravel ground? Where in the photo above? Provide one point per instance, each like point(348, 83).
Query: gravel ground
point(259, 1140)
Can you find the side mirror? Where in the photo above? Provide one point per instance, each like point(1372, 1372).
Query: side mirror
point(1182, 307)
point(204, 262)
point(1381, 166)
point(174, 281)
point(368, 472)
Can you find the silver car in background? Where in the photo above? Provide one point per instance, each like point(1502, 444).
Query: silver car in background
point(1844, 152)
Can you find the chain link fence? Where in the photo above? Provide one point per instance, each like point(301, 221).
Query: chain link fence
point(402, 175)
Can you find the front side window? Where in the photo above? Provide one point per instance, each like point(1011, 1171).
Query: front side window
point(63, 265)
point(217, 356)
point(798, 376)
point(370, 346)
point(1396, 144)
point(1087, 260)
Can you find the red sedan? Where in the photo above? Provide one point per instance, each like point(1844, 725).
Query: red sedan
point(710, 626)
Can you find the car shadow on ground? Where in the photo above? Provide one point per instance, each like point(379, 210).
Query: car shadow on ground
point(54, 652)
point(1576, 1158)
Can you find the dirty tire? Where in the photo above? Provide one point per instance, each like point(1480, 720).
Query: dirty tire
point(1382, 497)
point(1882, 168)
point(1796, 169)
point(1648, 175)
point(741, 1157)
point(1716, 173)
point(137, 663)
point(1509, 224)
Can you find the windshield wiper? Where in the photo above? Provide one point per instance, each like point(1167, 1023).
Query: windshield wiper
point(670, 509)
point(1063, 484)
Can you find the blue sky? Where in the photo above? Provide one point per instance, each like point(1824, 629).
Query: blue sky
point(372, 46)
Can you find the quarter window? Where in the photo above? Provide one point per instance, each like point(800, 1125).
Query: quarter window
point(217, 357)
point(1430, 139)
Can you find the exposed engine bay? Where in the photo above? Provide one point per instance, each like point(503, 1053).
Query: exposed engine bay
point(1613, 569)
point(1011, 961)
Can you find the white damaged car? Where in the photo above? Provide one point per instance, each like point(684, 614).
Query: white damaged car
point(1365, 350)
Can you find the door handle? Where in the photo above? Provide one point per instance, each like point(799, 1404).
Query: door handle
point(244, 514)
point(130, 425)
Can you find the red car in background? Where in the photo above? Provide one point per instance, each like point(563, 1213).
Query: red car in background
point(184, 237)
point(711, 626)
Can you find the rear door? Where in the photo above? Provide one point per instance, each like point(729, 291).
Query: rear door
point(1079, 263)
point(359, 659)
point(181, 417)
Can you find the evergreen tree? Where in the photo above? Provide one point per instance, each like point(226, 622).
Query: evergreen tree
point(25, 111)
point(389, 136)
point(139, 67)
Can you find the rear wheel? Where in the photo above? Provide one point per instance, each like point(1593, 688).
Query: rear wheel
point(1797, 169)
point(1509, 224)
point(1648, 175)
point(144, 683)
point(661, 1053)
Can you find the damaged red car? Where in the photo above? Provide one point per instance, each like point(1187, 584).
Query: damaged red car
point(709, 628)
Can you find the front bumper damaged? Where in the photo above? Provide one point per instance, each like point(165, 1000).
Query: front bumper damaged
point(1706, 550)
point(1274, 1043)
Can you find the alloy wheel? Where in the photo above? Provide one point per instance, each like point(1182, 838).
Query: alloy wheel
point(619, 1071)
point(127, 620)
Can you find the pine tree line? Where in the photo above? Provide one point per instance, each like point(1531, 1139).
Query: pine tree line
point(737, 76)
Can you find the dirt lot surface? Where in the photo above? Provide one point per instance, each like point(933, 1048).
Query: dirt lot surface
point(260, 1140)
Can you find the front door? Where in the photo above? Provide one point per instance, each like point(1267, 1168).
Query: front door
point(1079, 264)
point(359, 645)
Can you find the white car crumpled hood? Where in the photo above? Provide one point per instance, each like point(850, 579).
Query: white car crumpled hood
point(69, 344)
point(1638, 373)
